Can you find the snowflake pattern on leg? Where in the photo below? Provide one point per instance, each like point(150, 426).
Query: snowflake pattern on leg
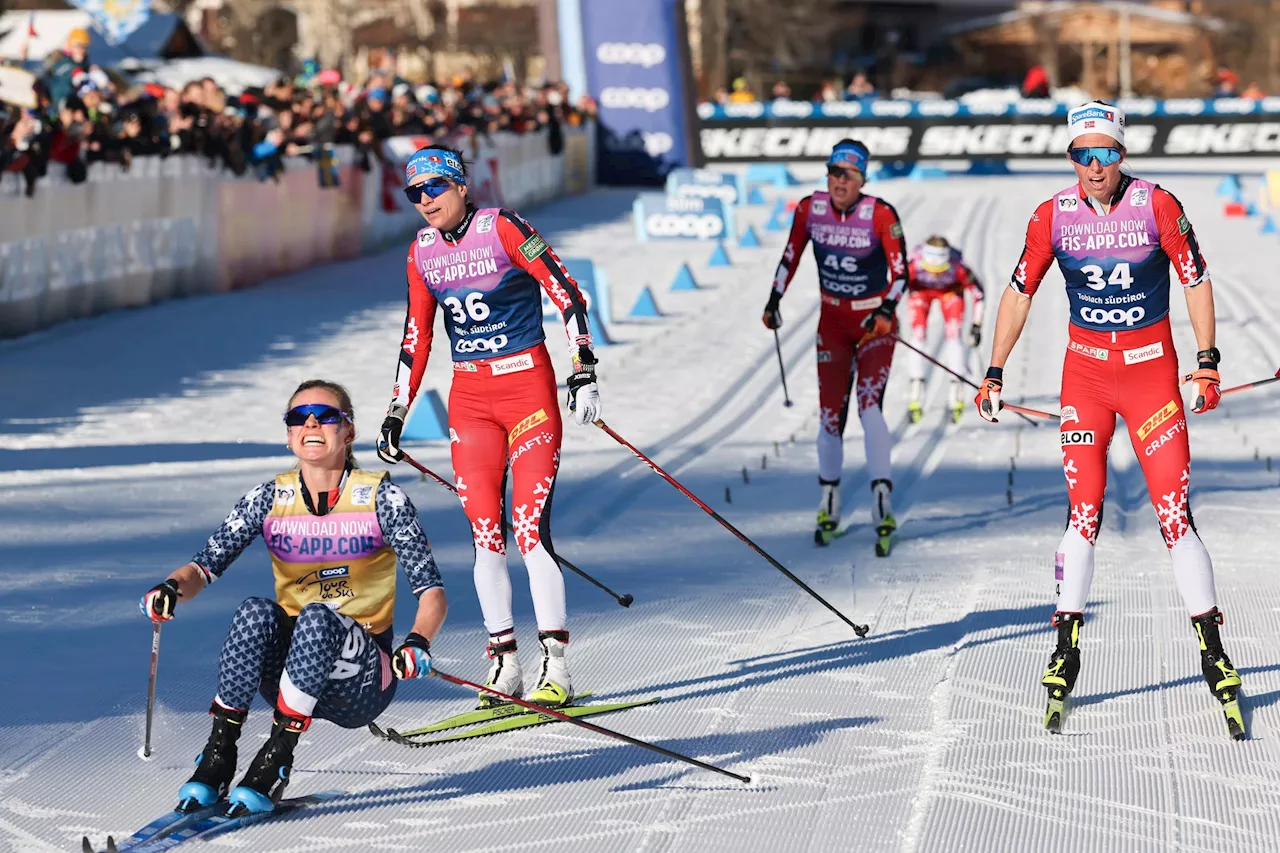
point(1171, 509)
point(1069, 468)
point(1085, 520)
point(488, 535)
point(462, 488)
point(871, 387)
point(830, 421)
point(524, 522)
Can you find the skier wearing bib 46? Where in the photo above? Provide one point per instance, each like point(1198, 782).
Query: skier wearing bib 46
point(323, 648)
point(862, 272)
point(936, 272)
point(1113, 237)
point(487, 269)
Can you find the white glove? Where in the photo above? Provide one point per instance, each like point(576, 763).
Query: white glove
point(584, 393)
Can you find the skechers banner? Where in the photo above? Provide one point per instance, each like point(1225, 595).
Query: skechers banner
point(633, 72)
point(659, 216)
point(704, 183)
point(978, 137)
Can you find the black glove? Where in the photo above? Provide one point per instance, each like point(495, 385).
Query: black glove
point(772, 315)
point(880, 321)
point(160, 601)
point(412, 658)
point(975, 335)
point(389, 439)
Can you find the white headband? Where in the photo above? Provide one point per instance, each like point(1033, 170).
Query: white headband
point(1097, 117)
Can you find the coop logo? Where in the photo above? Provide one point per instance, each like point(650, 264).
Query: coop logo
point(727, 193)
point(494, 344)
point(631, 53)
point(1116, 316)
point(628, 98)
point(701, 227)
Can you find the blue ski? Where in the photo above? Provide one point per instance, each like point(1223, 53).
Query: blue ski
point(161, 826)
point(218, 823)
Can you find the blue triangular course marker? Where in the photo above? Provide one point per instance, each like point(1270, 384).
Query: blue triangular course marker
point(645, 306)
point(779, 208)
point(1229, 187)
point(428, 420)
point(1268, 225)
point(749, 240)
point(755, 196)
point(684, 279)
point(719, 258)
point(1251, 209)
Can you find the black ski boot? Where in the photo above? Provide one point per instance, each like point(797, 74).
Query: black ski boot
point(1222, 678)
point(216, 763)
point(1063, 669)
point(264, 782)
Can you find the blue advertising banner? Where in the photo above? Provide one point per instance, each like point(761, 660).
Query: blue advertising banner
point(115, 19)
point(705, 183)
point(662, 216)
point(633, 60)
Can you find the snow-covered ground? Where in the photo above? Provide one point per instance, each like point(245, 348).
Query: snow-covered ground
point(125, 439)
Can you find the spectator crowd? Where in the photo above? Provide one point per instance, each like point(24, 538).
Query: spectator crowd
point(84, 115)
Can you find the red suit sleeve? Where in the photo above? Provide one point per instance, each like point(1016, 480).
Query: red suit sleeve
point(969, 280)
point(888, 228)
point(796, 241)
point(1037, 252)
point(529, 252)
point(1178, 238)
point(415, 344)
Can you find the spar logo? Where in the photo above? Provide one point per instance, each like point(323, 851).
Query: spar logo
point(635, 98)
point(700, 226)
point(631, 53)
point(1114, 316)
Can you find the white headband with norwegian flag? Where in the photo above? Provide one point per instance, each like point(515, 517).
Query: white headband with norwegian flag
point(1097, 117)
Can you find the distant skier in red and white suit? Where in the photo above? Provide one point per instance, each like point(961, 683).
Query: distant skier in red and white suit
point(1114, 237)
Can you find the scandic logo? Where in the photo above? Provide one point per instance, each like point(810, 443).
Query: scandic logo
point(631, 53)
point(1169, 410)
point(628, 98)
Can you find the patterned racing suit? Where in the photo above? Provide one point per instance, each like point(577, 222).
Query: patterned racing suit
point(1120, 360)
point(946, 287)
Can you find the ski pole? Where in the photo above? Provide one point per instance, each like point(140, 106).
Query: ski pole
point(777, 345)
point(1244, 387)
point(1021, 411)
point(624, 599)
point(860, 630)
point(652, 747)
point(151, 688)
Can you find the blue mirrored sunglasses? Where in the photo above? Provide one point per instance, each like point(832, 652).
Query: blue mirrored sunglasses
point(1105, 156)
point(433, 188)
point(326, 415)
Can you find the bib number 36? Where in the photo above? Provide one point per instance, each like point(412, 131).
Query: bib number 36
point(472, 309)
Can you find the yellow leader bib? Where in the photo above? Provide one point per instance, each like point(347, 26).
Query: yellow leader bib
point(338, 559)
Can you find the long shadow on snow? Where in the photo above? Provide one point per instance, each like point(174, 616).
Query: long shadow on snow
point(733, 750)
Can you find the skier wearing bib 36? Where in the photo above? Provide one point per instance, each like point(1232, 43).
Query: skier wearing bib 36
point(487, 269)
point(323, 648)
point(862, 271)
point(936, 272)
point(1114, 237)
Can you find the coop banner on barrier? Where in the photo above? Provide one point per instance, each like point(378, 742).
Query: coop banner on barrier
point(659, 216)
point(704, 183)
point(633, 72)
point(977, 137)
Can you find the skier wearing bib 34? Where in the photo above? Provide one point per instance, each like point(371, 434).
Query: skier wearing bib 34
point(936, 272)
point(1114, 237)
point(487, 268)
point(862, 271)
point(323, 648)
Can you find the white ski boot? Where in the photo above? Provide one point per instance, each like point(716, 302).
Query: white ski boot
point(504, 670)
point(957, 402)
point(555, 690)
point(828, 514)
